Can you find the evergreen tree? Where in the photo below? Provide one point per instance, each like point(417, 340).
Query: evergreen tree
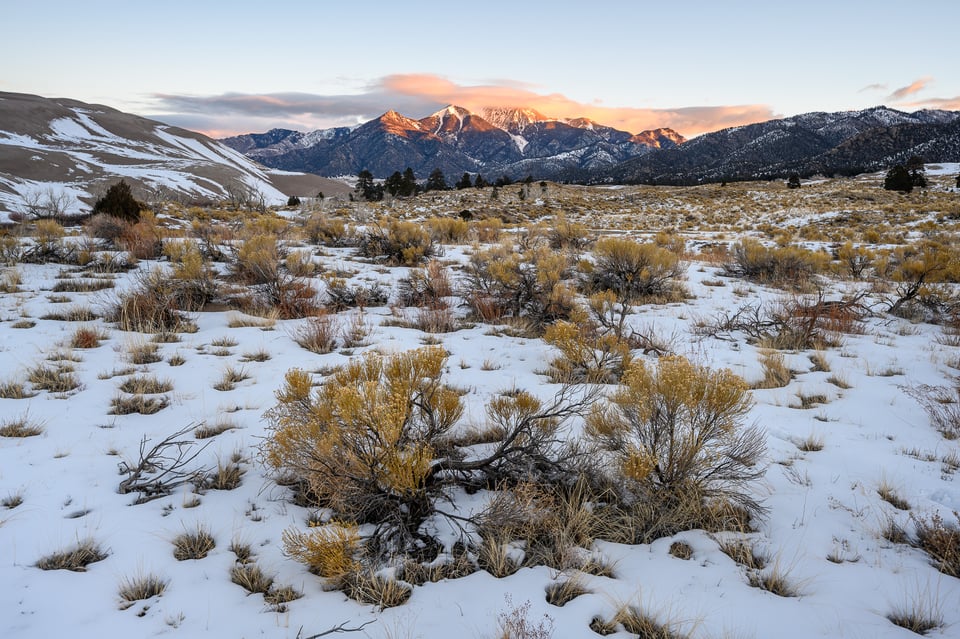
point(293, 200)
point(436, 181)
point(409, 183)
point(463, 182)
point(364, 184)
point(481, 183)
point(958, 180)
point(793, 182)
point(898, 179)
point(394, 184)
point(119, 202)
point(917, 171)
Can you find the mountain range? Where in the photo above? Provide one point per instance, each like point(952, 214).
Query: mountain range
point(508, 141)
point(517, 142)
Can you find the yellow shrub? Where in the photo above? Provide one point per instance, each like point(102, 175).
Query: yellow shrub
point(330, 551)
point(448, 230)
point(365, 440)
point(633, 270)
point(678, 427)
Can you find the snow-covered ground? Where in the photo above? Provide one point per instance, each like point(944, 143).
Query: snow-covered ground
point(823, 527)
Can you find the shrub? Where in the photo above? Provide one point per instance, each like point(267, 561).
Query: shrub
point(327, 231)
point(528, 285)
point(426, 287)
point(196, 283)
point(119, 202)
point(565, 234)
point(318, 334)
point(633, 271)
point(329, 551)
point(153, 305)
point(789, 266)
point(107, 227)
point(678, 429)
point(941, 541)
point(587, 353)
point(372, 443)
point(447, 230)
point(365, 443)
point(143, 240)
point(401, 243)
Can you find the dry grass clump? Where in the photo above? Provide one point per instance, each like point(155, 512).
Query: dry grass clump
point(941, 541)
point(141, 353)
point(71, 314)
point(426, 287)
point(87, 337)
point(206, 431)
point(515, 623)
point(889, 494)
point(75, 558)
point(141, 587)
point(917, 616)
point(681, 550)
point(251, 578)
point(53, 379)
point(82, 285)
point(775, 580)
point(145, 385)
point(11, 501)
point(318, 334)
point(776, 374)
point(141, 404)
point(812, 443)
point(447, 230)
point(368, 587)
point(230, 378)
point(240, 320)
point(193, 545)
point(13, 389)
point(227, 476)
point(20, 427)
point(563, 592)
point(744, 553)
point(642, 624)
point(260, 355)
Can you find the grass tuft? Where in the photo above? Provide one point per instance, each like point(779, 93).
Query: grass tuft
point(76, 558)
point(193, 545)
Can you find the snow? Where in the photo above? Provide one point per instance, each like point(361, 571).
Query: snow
point(820, 502)
point(520, 141)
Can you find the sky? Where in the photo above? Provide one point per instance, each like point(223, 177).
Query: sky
point(224, 68)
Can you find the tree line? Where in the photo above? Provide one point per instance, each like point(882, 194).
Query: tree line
point(406, 184)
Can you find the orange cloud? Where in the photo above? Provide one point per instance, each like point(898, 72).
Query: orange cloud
point(914, 87)
point(948, 104)
point(418, 95)
point(687, 120)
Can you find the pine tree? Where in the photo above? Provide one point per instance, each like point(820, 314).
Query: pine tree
point(119, 202)
point(898, 179)
point(436, 181)
point(394, 183)
point(463, 182)
point(409, 183)
point(480, 182)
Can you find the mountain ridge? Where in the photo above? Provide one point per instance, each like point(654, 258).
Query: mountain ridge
point(496, 141)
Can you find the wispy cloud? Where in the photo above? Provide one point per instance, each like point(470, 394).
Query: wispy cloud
point(949, 104)
point(914, 87)
point(873, 87)
point(417, 95)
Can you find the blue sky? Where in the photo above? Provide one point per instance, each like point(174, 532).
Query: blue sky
point(227, 67)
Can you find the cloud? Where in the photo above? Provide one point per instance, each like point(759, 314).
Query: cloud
point(948, 104)
point(418, 95)
point(873, 87)
point(914, 87)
